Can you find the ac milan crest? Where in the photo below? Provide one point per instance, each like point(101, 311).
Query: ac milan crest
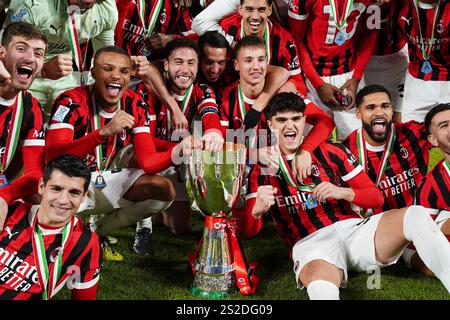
point(163, 17)
point(123, 135)
point(404, 153)
point(54, 254)
point(315, 170)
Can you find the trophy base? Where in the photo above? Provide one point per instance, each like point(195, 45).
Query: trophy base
point(213, 286)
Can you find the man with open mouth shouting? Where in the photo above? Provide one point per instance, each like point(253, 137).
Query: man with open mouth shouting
point(393, 154)
point(96, 123)
point(69, 25)
point(22, 122)
point(316, 220)
point(197, 101)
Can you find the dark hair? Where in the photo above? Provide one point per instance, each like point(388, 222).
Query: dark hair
point(372, 88)
point(69, 165)
point(282, 102)
point(268, 1)
point(180, 43)
point(23, 29)
point(434, 111)
point(213, 39)
point(249, 41)
point(113, 49)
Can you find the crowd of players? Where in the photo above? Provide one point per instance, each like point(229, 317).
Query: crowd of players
point(98, 99)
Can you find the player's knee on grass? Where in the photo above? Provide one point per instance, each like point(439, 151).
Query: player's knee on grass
point(320, 270)
point(178, 217)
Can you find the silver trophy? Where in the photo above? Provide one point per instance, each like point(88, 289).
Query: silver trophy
point(214, 183)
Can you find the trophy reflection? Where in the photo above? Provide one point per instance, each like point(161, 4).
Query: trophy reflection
point(214, 182)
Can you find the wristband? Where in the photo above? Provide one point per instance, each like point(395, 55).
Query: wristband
point(252, 118)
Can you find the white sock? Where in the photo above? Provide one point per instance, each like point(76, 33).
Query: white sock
point(127, 216)
point(322, 290)
point(146, 223)
point(431, 244)
point(407, 255)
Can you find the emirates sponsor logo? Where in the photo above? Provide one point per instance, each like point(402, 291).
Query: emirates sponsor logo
point(15, 272)
point(399, 183)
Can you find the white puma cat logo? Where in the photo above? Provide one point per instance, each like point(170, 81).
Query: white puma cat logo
point(407, 20)
point(10, 235)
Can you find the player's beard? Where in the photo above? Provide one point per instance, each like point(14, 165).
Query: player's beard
point(379, 138)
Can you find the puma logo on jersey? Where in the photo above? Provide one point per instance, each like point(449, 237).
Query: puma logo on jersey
point(407, 20)
point(55, 28)
point(10, 235)
point(33, 3)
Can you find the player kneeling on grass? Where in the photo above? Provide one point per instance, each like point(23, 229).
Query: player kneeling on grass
point(44, 247)
point(95, 123)
point(315, 217)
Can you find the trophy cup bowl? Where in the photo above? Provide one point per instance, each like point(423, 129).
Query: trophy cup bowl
point(214, 182)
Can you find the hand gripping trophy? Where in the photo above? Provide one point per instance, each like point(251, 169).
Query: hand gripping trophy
point(219, 263)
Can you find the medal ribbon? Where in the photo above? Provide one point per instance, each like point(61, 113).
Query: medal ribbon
point(154, 14)
point(184, 107)
point(446, 165)
point(426, 55)
point(243, 112)
point(14, 132)
point(340, 23)
point(71, 29)
point(48, 277)
point(96, 124)
point(289, 176)
point(266, 38)
point(362, 152)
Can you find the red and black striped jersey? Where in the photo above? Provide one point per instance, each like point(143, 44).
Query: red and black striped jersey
point(296, 213)
point(391, 39)
point(407, 165)
point(27, 161)
point(81, 259)
point(202, 106)
point(230, 116)
point(434, 191)
point(130, 34)
point(32, 131)
point(313, 19)
point(73, 110)
point(440, 52)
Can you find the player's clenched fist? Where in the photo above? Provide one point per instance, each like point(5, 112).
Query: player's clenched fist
point(57, 67)
point(121, 121)
point(5, 76)
point(141, 66)
point(265, 198)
